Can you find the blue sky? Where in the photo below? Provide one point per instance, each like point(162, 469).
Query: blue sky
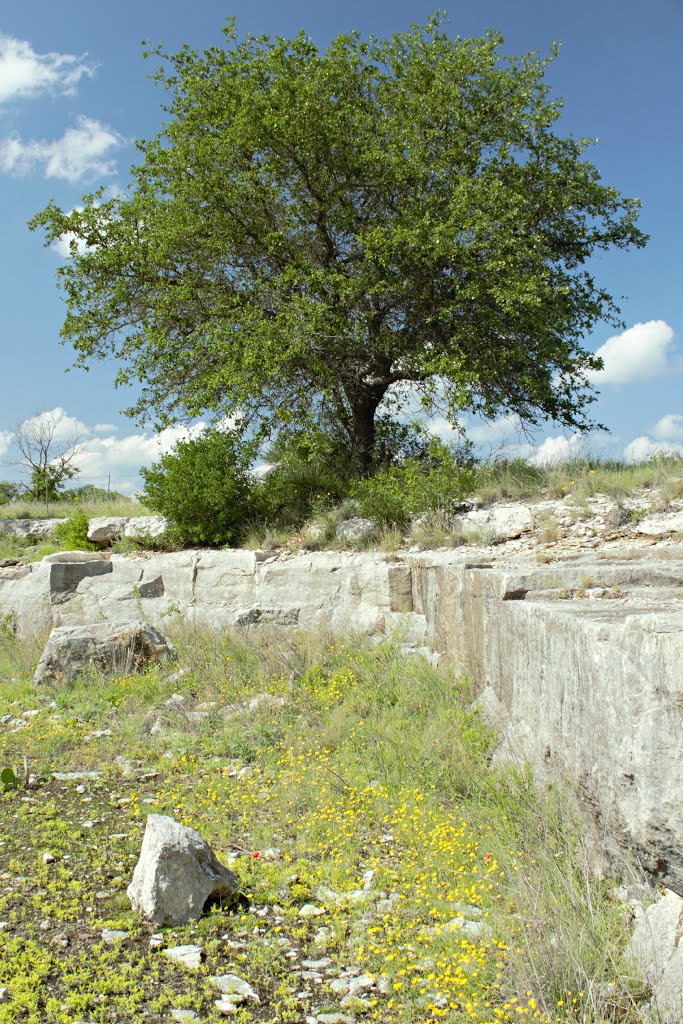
point(75, 93)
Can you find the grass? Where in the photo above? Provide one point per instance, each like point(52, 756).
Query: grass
point(64, 509)
point(516, 479)
point(360, 786)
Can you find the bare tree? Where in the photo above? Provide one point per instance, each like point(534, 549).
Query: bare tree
point(46, 452)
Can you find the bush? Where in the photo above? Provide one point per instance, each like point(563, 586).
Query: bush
point(204, 487)
point(400, 493)
point(73, 534)
point(313, 471)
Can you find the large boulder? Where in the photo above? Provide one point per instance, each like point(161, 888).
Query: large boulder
point(656, 950)
point(502, 522)
point(356, 530)
point(142, 528)
point(106, 529)
point(36, 529)
point(176, 874)
point(110, 647)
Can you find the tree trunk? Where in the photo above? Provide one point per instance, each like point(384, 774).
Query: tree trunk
point(363, 433)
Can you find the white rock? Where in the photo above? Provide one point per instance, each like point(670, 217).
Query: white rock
point(502, 522)
point(235, 988)
point(176, 874)
point(356, 529)
point(112, 936)
point(38, 529)
point(183, 1016)
point(142, 528)
point(49, 858)
point(658, 526)
point(106, 529)
point(111, 648)
point(309, 910)
point(188, 956)
point(656, 948)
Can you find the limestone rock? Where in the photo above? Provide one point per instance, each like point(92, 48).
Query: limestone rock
point(656, 950)
point(502, 522)
point(658, 526)
point(38, 529)
point(75, 556)
point(110, 647)
point(142, 528)
point(189, 956)
point(176, 874)
point(106, 529)
point(357, 529)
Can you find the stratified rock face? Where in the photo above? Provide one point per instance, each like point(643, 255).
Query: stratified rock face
point(579, 662)
point(176, 874)
point(656, 949)
point(112, 648)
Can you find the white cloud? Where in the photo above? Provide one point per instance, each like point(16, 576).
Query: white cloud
point(84, 149)
point(557, 449)
point(104, 428)
point(62, 245)
point(643, 448)
point(5, 441)
point(669, 427)
point(65, 426)
point(122, 456)
point(25, 73)
point(639, 353)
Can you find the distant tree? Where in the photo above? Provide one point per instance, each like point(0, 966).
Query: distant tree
point(326, 234)
point(45, 454)
point(89, 492)
point(8, 491)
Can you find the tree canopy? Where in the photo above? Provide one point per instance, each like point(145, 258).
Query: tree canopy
point(321, 235)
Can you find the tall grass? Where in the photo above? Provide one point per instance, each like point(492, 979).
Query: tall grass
point(518, 479)
point(64, 509)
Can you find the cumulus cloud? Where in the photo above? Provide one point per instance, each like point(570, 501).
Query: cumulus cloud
point(25, 73)
point(642, 448)
point(669, 427)
point(104, 428)
point(641, 352)
point(63, 244)
point(121, 457)
point(557, 449)
point(57, 420)
point(5, 441)
point(83, 149)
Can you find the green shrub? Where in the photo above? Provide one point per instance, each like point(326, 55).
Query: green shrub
point(73, 534)
point(204, 487)
point(437, 483)
point(313, 470)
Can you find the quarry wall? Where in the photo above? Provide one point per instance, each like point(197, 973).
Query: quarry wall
point(579, 664)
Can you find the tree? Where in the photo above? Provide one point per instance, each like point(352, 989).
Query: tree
point(321, 235)
point(9, 491)
point(47, 453)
